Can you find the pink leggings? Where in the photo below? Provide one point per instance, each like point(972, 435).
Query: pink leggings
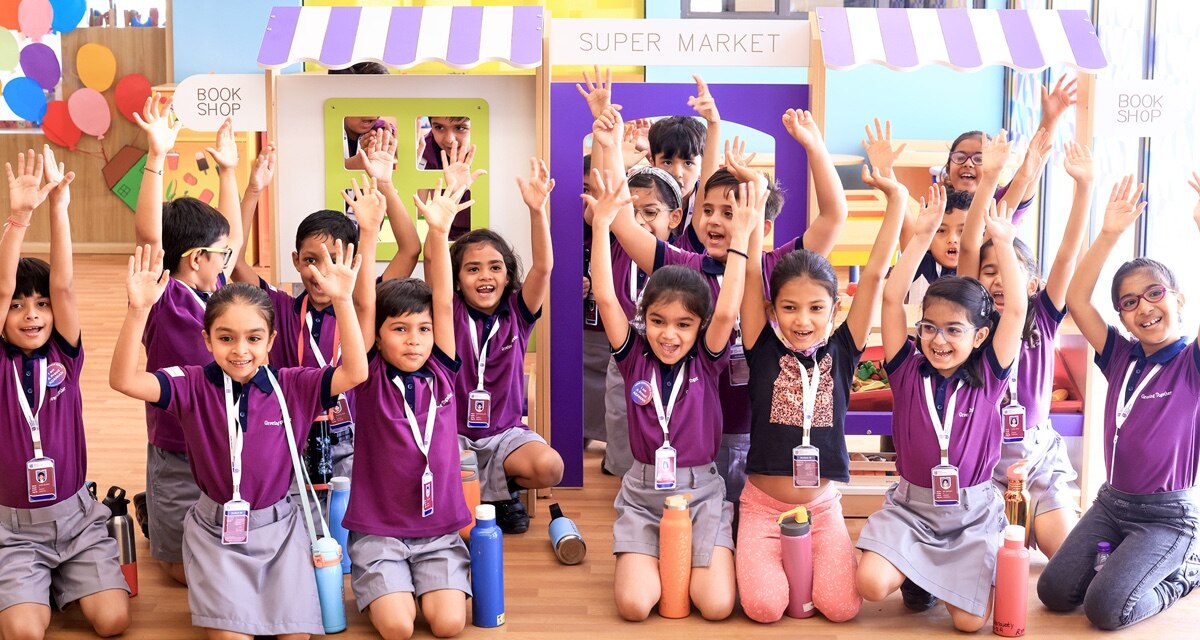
point(762, 584)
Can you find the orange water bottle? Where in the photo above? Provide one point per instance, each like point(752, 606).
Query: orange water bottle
point(1012, 584)
point(469, 469)
point(675, 558)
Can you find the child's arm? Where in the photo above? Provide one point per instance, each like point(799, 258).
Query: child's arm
point(368, 206)
point(995, 154)
point(260, 178)
point(62, 268)
point(754, 311)
point(379, 158)
point(705, 107)
point(640, 244)
point(737, 162)
point(225, 155)
point(893, 322)
point(145, 282)
point(867, 298)
point(1054, 104)
point(822, 232)
point(1119, 215)
point(613, 194)
point(1007, 342)
point(439, 211)
point(536, 193)
point(1024, 184)
point(881, 155)
point(336, 277)
point(25, 193)
point(748, 207)
point(1078, 164)
point(161, 127)
point(598, 94)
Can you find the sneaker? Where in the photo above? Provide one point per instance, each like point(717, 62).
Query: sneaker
point(511, 516)
point(1187, 576)
point(916, 598)
point(141, 513)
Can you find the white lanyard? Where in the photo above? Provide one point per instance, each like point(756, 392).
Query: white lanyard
point(305, 488)
point(424, 439)
point(809, 396)
point(634, 294)
point(737, 322)
point(1013, 381)
point(481, 353)
point(316, 348)
point(664, 417)
point(1125, 406)
point(940, 426)
point(31, 416)
point(235, 437)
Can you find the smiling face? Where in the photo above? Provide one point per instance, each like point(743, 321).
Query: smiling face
point(650, 205)
point(483, 276)
point(29, 322)
point(804, 311)
point(946, 242)
point(671, 330)
point(989, 276)
point(447, 130)
point(310, 253)
point(965, 176)
point(240, 340)
point(406, 341)
point(208, 265)
point(1154, 324)
point(713, 222)
point(948, 349)
point(686, 171)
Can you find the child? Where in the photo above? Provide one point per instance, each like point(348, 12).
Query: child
point(1054, 509)
point(1147, 511)
point(247, 558)
point(494, 313)
point(792, 409)
point(940, 525)
point(449, 134)
point(941, 260)
point(686, 344)
point(675, 147)
point(403, 542)
point(53, 540)
point(198, 242)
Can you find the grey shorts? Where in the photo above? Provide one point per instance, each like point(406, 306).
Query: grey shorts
point(640, 508)
point(170, 492)
point(617, 455)
point(1049, 468)
point(381, 565)
point(492, 451)
point(264, 587)
point(62, 549)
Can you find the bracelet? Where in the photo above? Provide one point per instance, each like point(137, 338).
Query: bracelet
point(738, 253)
point(159, 172)
point(13, 222)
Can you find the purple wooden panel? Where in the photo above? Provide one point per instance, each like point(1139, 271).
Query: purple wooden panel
point(277, 39)
point(1082, 36)
point(897, 36)
point(465, 28)
point(526, 37)
point(401, 47)
point(1022, 41)
point(961, 46)
point(836, 46)
point(340, 34)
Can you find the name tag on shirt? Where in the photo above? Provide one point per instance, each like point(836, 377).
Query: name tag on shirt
point(40, 480)
point(235, 522)
point(339, 417)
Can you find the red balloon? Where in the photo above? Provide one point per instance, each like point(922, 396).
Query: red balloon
point(57, 126)
point(131, 93)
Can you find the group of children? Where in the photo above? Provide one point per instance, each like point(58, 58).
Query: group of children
point(728, 381)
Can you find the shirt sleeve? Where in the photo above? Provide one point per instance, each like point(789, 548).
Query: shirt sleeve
point(893, 365)
point(667, 255)
point(171, 383)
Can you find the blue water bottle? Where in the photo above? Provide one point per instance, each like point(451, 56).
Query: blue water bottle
point(487, 569)
point(339, 499)
point(327, 559)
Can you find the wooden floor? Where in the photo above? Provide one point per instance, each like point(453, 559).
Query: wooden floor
point(544, 598)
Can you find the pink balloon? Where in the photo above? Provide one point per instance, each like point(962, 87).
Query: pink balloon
point(90, 112)
point(35, 17)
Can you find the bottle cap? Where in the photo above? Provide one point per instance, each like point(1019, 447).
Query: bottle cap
point(676, 503)
point(555, 511)
point(116, 501)
point(468, 460)
point(1018, 470)
point(340, 483)
point(1014, 533)
point(485, 512)
point(1104, 547)
point(326, 546)
point(794, 523)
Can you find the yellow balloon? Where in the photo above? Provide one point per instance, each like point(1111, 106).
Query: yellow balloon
point(96, 66)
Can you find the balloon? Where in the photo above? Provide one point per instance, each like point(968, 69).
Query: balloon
point(89, 111)
point(39, 62)
point(58, 127)
point(8, 16)
point(67, 14)
point(8, 50)
point(131, 94)
point(34, 17)
point(26, 99)
point(96, 66)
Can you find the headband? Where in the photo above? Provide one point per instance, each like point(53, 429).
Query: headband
point(661, 175)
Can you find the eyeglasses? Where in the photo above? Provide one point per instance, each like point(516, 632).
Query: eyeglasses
point(954, 333)
point(960, 157)
point(226, 252)
point(1152, 294)
point(647, 215)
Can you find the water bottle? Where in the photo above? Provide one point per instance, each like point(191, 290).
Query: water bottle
point(339, 499)
point(1016, 498)
point(1103, 550)
point(469, 469)
point(120, 528)
point(487, 569)
point(568, 543)
point(327, 558)
point(1012, 584)
point(675, 558)
point(795, 542)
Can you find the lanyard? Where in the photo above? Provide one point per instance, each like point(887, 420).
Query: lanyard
point(634, 295)
point(422, 439)
point(235, 437)
point(1013, 381)
point(809, 396)
point(942, 428)
point(305, 322)
point(31, 416)
point(664, 417)
point(1125, 406)
point(305, 488)
point(737, 322)
point(481, 353)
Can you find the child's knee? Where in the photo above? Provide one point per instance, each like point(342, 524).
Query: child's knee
point(634, 607)
point(966, 622)
point(393, 627)
point(549, 468)
point(111, 622)
point(448, 624)
point(25, 628)
point(717, 606)
point(763, 607)
point(1104, 609)
point(1053, 593)
point(871, 587)
point(844, 610)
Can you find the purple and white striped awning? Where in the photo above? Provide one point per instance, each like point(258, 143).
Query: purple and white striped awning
point(401, 37)
point(963, 39)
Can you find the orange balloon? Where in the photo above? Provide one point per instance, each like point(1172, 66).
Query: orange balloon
point(8, 15)
point(96, 66)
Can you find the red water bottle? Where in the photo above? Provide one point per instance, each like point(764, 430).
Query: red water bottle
point(1012, 584)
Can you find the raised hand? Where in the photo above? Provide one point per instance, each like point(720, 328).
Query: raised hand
point(1078, 163)
point(630, 153)
point(1037, 154)
point(263, 170)
point(378, 154)
point(57, 177)
point(146, 280)
point(1195, 184)
point(1000, 227)
point(441, 206)
point(802, 127)
point(749, 206)
point(738, 162)
point(536, 190)
point(607, 197)
point(1055, 102)
point(1122, 209)
point(878, 146)
point(25, 189)
point(599, 93)
point(886, 183)
point(158, 120)
point(224, 152)
point(641, 133)
point(605, 129)
point(457, 166)
point(995, 153)
point(929, 214)
point(367, 203)
point(335, 274)
point(703, 102)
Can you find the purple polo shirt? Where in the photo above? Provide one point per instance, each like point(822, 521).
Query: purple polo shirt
point(60, 420)
point(1159, 444)
point(504, 375)
point(622, 267)
point(1022, 208)
point(385, 448)
point(735, 401)
point(694, 427)
point(174, 336)
point(975, 430)
point(196, 395)
point(1035, 371)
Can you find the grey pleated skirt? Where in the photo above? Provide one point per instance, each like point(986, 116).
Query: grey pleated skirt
point(640, 508)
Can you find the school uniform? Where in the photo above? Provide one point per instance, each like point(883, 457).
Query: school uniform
point(928, 271)
point(1147, 509)
point(265, 586)
point(401, 541)
point(684, 236)
point(629, 281)
point(505, 336)
point(595, 355)
point(695, 436)
point(52, 542)
point(949, 551)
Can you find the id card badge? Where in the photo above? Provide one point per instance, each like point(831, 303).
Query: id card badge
point(591, 312)
point(806, 467)
point(1013, 416)
point(945, 485)
point(235, 522)
point(427, 493)
point(739, 368)
point(664, 468)
point(39, 475)
point(479, 409)
point(340, 418)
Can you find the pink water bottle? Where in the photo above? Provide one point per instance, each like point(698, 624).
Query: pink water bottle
point(795, 541)
point(1012, 584)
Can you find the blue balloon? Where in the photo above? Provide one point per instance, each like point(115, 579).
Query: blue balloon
point(26, 99)
point(67, 14)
